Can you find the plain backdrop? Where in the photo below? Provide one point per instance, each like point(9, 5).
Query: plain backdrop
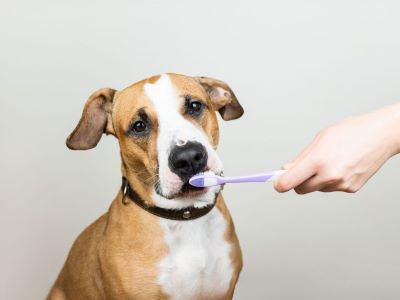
point(296, 66)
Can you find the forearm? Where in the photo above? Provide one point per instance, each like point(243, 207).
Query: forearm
point(391, 116)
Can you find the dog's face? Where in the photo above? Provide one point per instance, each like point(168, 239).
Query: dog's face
point(167, 130)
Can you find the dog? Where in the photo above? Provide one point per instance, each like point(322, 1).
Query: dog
point(161, 238)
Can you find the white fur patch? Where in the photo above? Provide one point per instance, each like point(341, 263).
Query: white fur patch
point(198, 265)
point(173, 129)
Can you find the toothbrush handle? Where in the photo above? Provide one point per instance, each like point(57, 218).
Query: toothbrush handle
point(262, 177)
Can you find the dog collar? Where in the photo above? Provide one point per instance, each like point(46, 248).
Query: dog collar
point(184, 214)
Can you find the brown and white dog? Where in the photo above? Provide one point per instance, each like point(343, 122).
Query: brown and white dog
point(161, 238)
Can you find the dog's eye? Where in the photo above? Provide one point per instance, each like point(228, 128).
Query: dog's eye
point(193, 107)
point(139, 126)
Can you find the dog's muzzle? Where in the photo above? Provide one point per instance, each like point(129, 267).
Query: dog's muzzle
point(188, 159)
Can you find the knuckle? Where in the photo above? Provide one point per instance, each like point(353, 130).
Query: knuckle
point(351, 189)
point(334, 176)
point(319, 163)
point(300, 191)
point(348, 187)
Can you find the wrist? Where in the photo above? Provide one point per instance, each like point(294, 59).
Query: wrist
point(392, 116)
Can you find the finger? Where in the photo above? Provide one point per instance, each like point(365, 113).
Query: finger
point(347, 188)
point(330, 188)
point(300, 172)
point(315, 183)
point(288, 165)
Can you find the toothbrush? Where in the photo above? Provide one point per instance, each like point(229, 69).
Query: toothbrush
point(206, 180)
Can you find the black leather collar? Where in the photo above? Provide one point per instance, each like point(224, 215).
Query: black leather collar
point(185, 214)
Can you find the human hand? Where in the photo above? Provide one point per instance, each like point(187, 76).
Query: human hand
point(345, 155)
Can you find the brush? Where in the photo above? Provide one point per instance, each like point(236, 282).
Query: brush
point(206, 180)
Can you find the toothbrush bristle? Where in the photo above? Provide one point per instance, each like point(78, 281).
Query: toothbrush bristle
point(210, 181)
point(197, 181)
point(203, 180)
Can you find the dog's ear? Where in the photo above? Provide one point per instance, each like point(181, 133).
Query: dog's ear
point(222, 97)
point(95, 120)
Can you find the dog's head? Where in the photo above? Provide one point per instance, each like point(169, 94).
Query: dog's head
point(167, 131)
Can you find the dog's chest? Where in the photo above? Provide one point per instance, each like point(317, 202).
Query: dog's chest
point(198, 263)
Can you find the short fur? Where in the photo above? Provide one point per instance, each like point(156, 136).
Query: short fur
point(127, 253)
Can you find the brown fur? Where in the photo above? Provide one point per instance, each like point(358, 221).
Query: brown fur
point(117, 256)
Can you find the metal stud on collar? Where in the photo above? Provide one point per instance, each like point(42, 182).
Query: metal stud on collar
point(186, 214)
point(124, 191)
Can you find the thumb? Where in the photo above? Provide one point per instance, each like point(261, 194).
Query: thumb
point(296, 174)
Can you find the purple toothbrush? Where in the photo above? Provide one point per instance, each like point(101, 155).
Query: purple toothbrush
point(209, 179)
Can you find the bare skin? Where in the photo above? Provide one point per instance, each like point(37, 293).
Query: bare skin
point(344, 156)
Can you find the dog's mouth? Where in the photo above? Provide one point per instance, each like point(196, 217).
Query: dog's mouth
point(185, 190)
point(188, 190)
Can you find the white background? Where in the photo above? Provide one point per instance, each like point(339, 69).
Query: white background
point(296, 66)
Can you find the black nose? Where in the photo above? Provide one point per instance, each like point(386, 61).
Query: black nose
point(188, 160)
